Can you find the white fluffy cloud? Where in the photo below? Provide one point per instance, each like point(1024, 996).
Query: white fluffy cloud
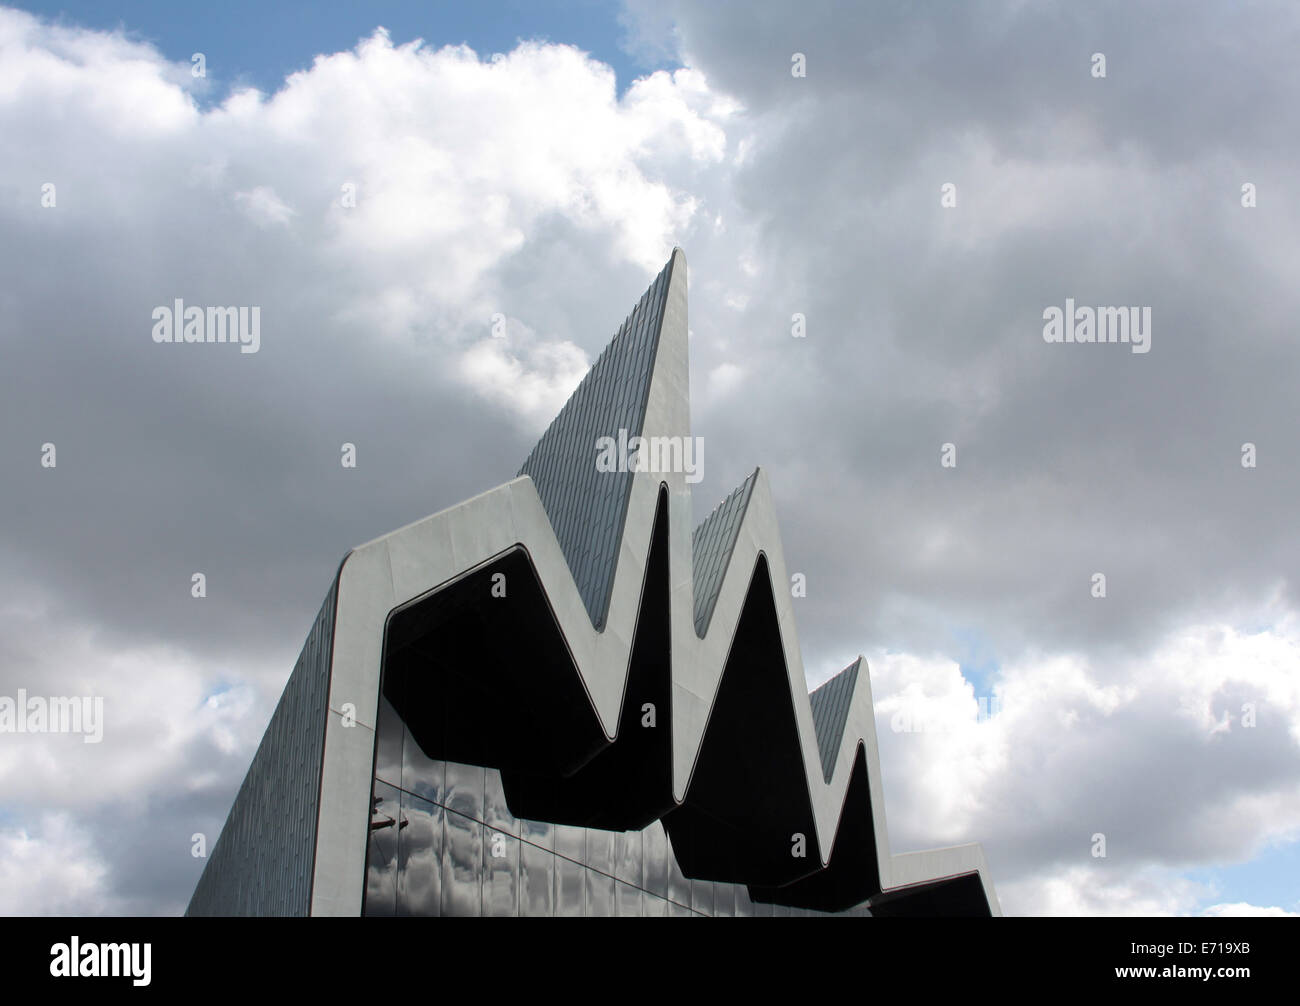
point(387, 203)
point(1242, 909)
point(1064, 750)
point(407, 174)
point(52, 869)
point(169, 719)
point(380, 208)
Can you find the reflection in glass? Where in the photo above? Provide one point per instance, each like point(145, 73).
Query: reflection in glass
point(568, 887)
point(599, 891)
point(679, 888)
point(653, 906)
point(656, 855)
point(422, 775)
point(628, 847)
point(536, 881)
point(627, 900)
point(424, 858)
point(388, 743)
point(496, 814)
point(724, 901)
point(465, 790)
point(462, 866)
point(419, 877)
point(702, 896)
point(538, 832)
point(570, 842)
point(600, 851)
point(500, 873)
point(381, 851)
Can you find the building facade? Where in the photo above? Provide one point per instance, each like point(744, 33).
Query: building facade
point(557, 698)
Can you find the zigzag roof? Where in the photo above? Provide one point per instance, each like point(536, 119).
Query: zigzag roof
point(614, 607)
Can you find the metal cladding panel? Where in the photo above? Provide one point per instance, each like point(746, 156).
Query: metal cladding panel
point(586, 506)
point(830, 710)
point(711, 547)
point(262, 863)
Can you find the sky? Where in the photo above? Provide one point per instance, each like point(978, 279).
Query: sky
point(380, 180)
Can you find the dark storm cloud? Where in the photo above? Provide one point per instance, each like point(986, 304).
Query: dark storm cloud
point(924, 327)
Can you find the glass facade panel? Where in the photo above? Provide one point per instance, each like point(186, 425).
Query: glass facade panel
point(419, 877)
point(462, 866)
point(600, 851)
point(388, 744)
point(381, 855)
point(679, 888)
point(653, 906)
point(570, 842)
point(464, 853)
point(569, 887)
point(655, 858)
point(599, 891)
point(628, 846)
point(496, 813)
point(702, 896)
point(500, 873)
point(724, 900)
point(627, 900)
point(536, 881)
point(538, 833)
point(422, 775)
point(464, 794)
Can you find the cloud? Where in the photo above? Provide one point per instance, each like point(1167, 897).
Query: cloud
point(385, 204)
point(378, 209)
point(533, 377)
point(1242, 909)
point(264, 207)
point(1184, 758)
point(54, 870)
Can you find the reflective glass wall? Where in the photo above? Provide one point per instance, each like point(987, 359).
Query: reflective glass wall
point(442, 842)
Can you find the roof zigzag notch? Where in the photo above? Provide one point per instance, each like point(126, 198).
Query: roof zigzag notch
point(830, 709)
point(747, 755)
point(711, 546)
point(586, 506)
